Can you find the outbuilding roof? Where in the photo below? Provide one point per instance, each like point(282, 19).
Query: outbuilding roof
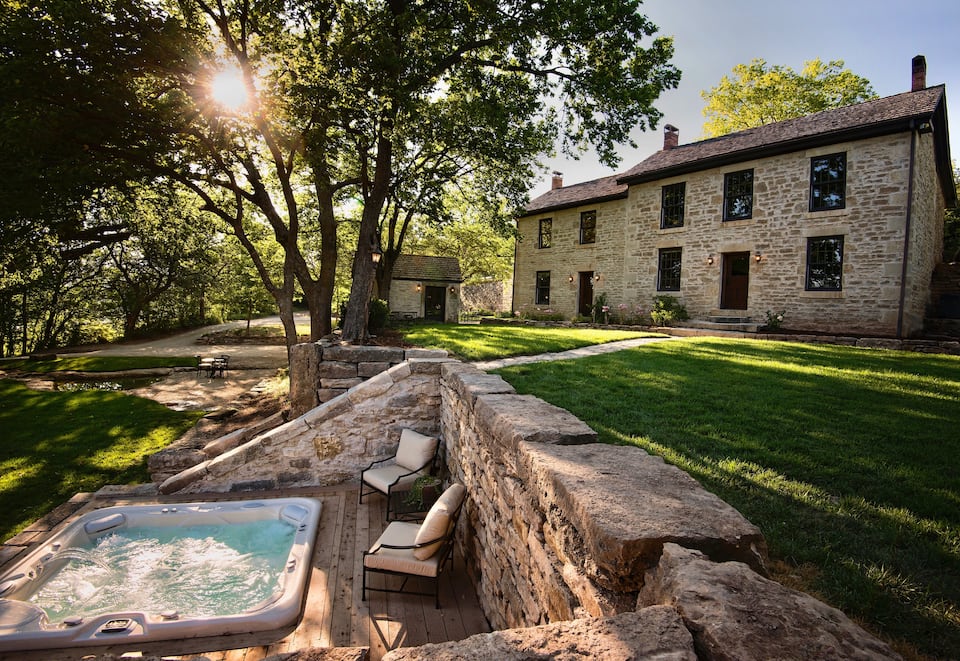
point(924, 110)
point(426, 267)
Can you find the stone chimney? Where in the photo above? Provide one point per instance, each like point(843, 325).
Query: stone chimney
point(919, 74)
point(671, 136)
point(557, 180)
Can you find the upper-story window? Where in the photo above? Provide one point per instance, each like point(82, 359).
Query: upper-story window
point(825, 263)
point(588, 227)
point(738, 195)
point(543, 288)
point(668, 269)
point(545, 238)
point(828, 182)
point(671, 205)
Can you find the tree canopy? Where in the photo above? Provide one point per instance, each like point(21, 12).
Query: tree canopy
point(759, 93)
point(337, 105)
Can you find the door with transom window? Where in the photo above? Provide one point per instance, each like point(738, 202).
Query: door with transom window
point(736, 280)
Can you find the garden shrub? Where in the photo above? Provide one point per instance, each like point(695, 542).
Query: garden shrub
point(666, 310)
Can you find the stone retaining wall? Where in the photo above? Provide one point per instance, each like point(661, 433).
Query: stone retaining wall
point(331, 443)
point(321, 371)
point(574, 545)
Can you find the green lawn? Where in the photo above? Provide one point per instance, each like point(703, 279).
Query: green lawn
point(67, 362)
point(487, 342)
point(56, 444)
point(847, 460)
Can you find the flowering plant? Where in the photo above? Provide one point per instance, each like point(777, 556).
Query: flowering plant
point(775, 319)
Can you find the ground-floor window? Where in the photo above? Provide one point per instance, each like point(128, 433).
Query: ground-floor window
point(825, 263)
point(543, 288)
point(668, 270)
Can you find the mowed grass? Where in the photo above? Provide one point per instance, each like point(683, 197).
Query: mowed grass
point(57, 444)
point(68, 363)
point(848, 460)
point(486, 342)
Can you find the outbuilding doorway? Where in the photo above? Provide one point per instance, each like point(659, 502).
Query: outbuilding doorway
point(736, 280)
point(435, 303)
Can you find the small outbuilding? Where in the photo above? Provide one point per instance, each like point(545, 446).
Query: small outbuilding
point(425, 287)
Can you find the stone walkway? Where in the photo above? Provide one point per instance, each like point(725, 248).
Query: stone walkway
point(582, 352)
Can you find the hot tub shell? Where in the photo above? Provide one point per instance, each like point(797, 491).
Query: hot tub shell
point(25, 627)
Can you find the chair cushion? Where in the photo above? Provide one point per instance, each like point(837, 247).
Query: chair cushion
point(415, 450)
point(438, 521)
point(382, 477)
point(400, 533)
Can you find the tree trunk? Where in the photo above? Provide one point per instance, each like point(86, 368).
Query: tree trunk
point(358, 306)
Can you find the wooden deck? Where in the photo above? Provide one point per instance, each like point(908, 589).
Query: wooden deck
point(335, 614)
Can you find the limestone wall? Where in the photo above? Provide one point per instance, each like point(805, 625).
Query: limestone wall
point(557, 527)
point(331, 443)
point(321, 371)
point(872, 223)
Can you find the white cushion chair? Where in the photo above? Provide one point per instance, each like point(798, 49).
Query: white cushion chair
point(414, 458)
point(417, 550)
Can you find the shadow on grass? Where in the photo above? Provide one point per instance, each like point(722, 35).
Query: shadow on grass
point(57, 444)
point(844, 458)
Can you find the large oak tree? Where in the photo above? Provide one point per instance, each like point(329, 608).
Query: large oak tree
point(341, 104)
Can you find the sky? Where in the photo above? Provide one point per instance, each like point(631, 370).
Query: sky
point(876, 39)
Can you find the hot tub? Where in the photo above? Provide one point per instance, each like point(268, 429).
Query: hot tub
point(127, 577)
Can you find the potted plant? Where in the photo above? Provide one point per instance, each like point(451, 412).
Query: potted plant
point(423, 492)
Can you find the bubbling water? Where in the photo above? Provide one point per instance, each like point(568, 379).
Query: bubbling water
point(200, 571)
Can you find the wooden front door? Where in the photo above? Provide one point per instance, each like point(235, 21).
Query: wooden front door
point(435, 304)
point(736, 280)
point(585, 301)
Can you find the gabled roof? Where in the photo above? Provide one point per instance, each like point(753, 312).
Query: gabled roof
point(892, 114)
point(424, 267)
point(598, 190)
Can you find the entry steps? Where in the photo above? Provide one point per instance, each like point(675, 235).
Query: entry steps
point(724, 323)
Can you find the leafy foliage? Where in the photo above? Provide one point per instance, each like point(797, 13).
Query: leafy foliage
point(759, 94)
point(375, 106)
point(666, 310)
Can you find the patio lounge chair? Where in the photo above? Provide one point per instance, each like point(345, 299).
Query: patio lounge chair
point(414, 458)
point(417, 550)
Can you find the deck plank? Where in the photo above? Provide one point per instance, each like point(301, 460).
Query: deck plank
point(335, 614)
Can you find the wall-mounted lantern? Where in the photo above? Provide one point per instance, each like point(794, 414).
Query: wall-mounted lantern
point(757, 257)
point(710, 259)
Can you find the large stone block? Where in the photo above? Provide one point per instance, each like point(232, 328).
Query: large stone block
point(332, 369)
point(468, 382)
point(363, 354)
point(734, 613)
point(653, 633)
point(304, 362)
point(621, 505)
point(411, 354)
point(512, 419)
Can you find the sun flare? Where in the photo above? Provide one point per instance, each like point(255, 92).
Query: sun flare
point(229, 90)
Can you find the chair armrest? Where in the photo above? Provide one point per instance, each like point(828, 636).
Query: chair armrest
point(378, 461)
point(407, 547)
point(403, 475)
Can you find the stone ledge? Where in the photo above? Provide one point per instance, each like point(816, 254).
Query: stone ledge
point(734, 613)
point(512, 419)
point(470, 382)
point(653, 633)
point(586, 488)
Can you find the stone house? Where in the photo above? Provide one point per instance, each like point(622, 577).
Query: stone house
point(835, 219)
point(425, 287)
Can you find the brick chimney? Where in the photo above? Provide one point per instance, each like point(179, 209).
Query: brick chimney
point(671, 136)
point(919, 74)
point(557, 181)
